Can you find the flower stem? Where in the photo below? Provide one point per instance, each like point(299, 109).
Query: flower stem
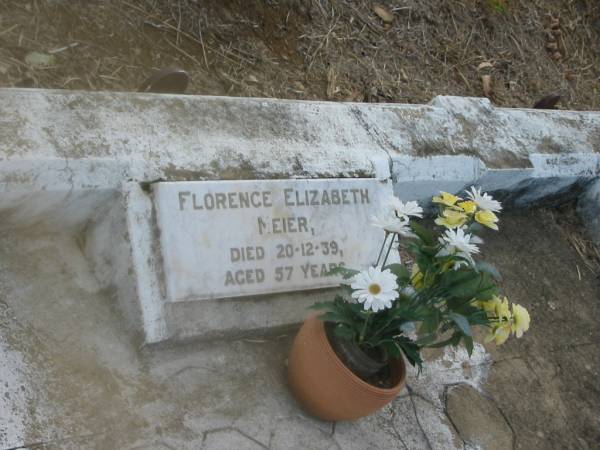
point(389, 249)
point(382, 246)
point(364, 328)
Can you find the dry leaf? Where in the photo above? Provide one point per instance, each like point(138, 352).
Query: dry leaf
point(355, 96)
point(331, 81)
point(384, 14)
point(251, 79)
point(403, 75)
point(298, 86)
point(486, 80)
point(37, 59)
point(485, 65)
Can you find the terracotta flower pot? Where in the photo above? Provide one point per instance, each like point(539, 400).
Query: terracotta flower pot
point(326, 387)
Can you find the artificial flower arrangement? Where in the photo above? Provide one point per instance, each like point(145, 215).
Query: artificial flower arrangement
point(444, 292)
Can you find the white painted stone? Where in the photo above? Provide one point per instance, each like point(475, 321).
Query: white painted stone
point(224, 239)
point(418, 178)
point(66, 157)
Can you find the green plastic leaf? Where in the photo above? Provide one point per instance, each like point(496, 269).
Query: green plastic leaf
point(461, 322)
point(336, 317)
point(426, 340)
point(411, 351)
point(343, 271)
point(430, 323)
point(344, 332)
point(475, 227)
point(400, 271)
point(424, 234)
point(392, 349)
point(483, 266)
point(452, 340)
point(322, 305)
point(468, 344)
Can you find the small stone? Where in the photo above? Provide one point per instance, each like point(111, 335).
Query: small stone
point(478, 419)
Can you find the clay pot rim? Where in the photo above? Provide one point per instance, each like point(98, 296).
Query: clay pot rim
point(383, 392)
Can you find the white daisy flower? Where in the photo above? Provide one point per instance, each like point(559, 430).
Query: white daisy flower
point(389, 222)
point(456, 242)
point(484, 201)
point(405, 210)
point(375, 289)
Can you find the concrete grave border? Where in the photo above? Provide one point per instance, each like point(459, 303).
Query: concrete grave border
point(81, 163)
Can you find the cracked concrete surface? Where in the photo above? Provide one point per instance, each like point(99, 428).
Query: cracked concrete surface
point(73, 375)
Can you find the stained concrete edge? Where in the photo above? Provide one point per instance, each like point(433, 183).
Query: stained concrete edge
point(65, 155)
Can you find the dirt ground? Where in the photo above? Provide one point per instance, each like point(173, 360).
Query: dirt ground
point(547, 383)
point(398, 51)
point(72, 377)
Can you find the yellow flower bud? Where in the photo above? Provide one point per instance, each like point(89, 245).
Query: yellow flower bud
point(451, 218)
point(446, 199)
point(487, 218)
point(468, 206)
point(501, 309)
point(499, 333)
point(416, 278)
point(521, 320)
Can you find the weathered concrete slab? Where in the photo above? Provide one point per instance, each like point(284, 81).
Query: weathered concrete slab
point(83, 164)
point(74, 378)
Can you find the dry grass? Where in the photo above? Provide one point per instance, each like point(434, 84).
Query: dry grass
point(320, 49)
point(572, 230)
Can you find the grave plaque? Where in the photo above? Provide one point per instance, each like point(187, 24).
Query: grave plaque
point(224, 239)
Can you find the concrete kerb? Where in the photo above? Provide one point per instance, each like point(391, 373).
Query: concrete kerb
point(79, 163)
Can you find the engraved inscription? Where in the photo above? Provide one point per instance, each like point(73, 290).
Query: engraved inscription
point(232, 238)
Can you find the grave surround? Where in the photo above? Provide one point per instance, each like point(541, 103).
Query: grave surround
point(91, 166)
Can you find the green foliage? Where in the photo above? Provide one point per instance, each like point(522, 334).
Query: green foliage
point(443, 301)
point(400, 271)
point(499, 6)
point(343, 271)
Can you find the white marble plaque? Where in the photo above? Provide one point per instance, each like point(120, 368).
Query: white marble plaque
point(224, 239)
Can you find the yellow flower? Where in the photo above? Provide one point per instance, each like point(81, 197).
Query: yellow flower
point(521, 320)
point(496, 307)
point(487, 218)
point(488, 306)
point(451, 218)
point(448, 266)
point(499, 333)
point(501, 308)
point(446, 199)
point(468, 206)
point(478, 304)
point(416, 277)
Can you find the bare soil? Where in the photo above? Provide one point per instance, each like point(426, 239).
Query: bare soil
point(547, 383)
point(337, 50)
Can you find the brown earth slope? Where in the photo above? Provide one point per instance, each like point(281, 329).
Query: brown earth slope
point(405, 51)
